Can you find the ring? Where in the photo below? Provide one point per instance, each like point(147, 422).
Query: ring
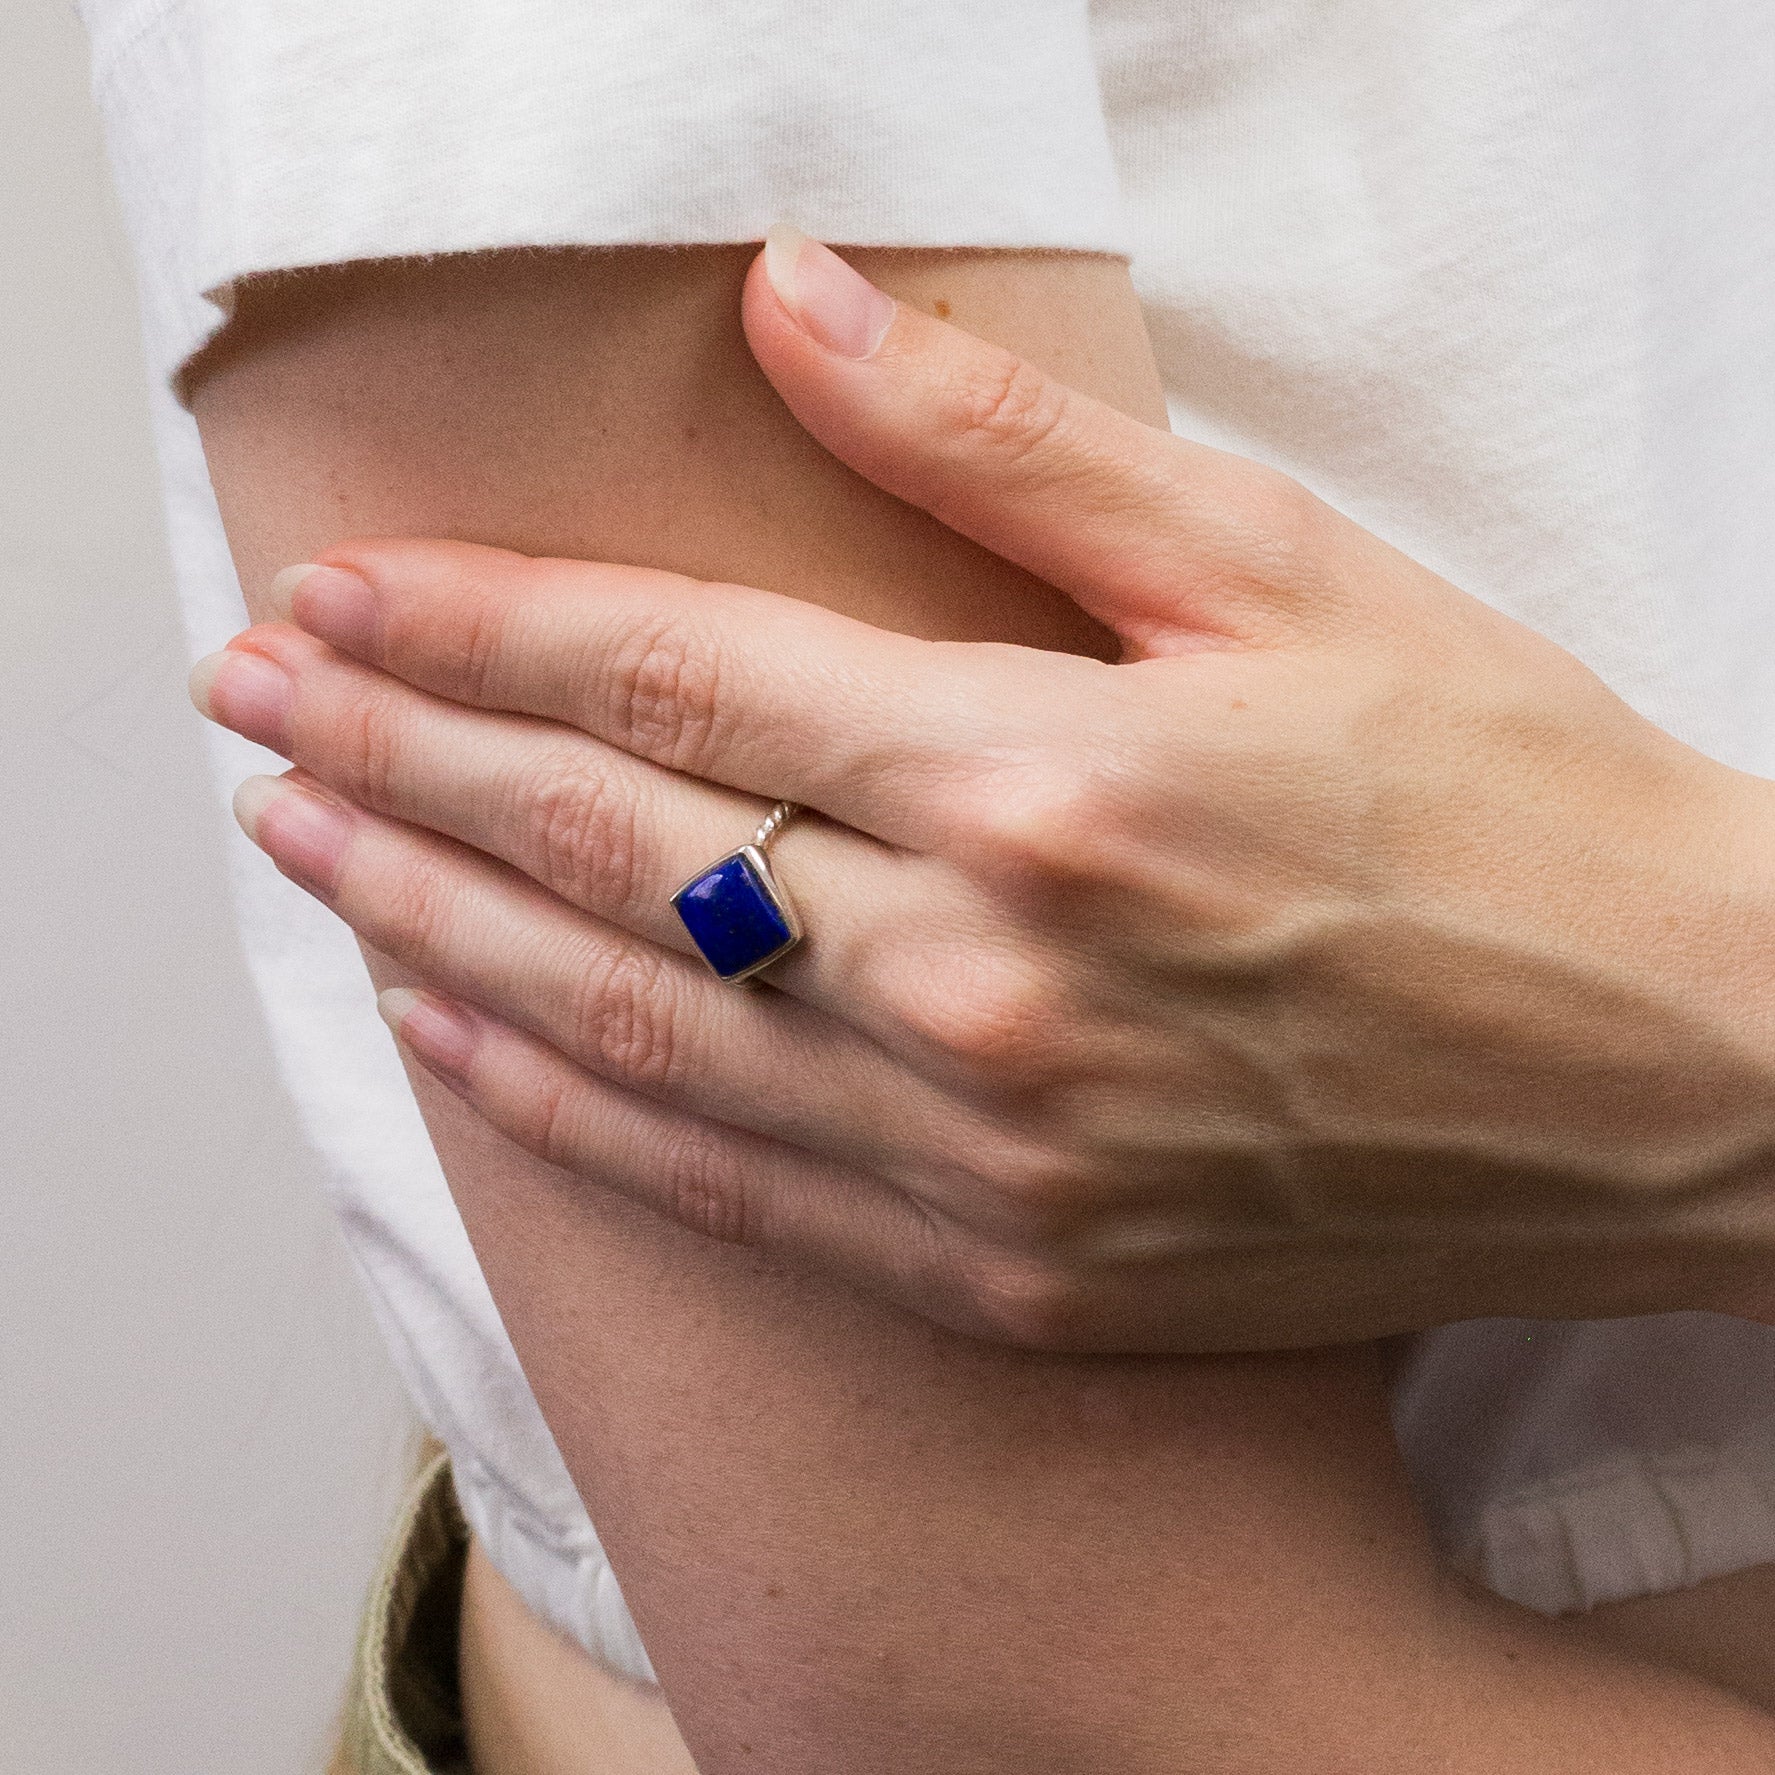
point(736, 911)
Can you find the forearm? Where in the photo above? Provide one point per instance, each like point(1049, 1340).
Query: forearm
point(849, 1539)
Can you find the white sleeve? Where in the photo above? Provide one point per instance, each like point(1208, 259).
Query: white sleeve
point(255, 135)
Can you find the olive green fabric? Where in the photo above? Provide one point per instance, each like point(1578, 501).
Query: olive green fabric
point(403, 1714)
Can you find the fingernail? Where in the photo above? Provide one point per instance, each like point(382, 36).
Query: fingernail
point(304, 834)
point(246, 692)
point(282, 590)
point(441, 1035)
point(843, 310)
point(335, 605)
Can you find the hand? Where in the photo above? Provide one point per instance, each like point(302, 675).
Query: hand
point(1347, 959)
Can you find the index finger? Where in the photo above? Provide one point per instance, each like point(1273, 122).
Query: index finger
point(737, 686)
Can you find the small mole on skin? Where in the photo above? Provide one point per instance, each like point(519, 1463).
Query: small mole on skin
point(1240, 703)
point(943, 309)
point(773, 1590)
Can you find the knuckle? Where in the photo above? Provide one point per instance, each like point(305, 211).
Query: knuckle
point(625, 1024)
point(555, 1123)
point(986, 1019)
point(480, 638)
point(1029, 1303)
point(1051, 827)
point(1271, 529)
point(409, 912)
point(666, 698)
point(363, 746)
point(1039, 1192)
point(705, 1189)
point(1008, 409)
point(1274, 503)
point(582, 833)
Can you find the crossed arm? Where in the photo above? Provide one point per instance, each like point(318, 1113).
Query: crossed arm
point(850, 1540)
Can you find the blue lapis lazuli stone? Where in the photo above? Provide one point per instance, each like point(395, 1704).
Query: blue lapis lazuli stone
point(733, 917)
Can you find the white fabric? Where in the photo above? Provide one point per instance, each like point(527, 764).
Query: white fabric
point(1494, 278)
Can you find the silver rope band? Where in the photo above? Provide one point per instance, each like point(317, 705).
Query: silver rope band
point(774, 821)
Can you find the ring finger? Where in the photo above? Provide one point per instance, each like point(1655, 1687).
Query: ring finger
point(610, 833)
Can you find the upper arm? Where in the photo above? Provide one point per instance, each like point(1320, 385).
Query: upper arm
point(850, 1540)
point(603, 405)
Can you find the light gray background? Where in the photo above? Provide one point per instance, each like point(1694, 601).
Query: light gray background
point(200, 1439)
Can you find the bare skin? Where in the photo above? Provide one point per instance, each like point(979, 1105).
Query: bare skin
point(1721, 1630)
point(537, 1705)
point(852, 1540)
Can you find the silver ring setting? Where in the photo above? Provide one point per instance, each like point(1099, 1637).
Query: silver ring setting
point(736, 911)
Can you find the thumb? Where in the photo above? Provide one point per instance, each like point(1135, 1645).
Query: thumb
point(1163, 541)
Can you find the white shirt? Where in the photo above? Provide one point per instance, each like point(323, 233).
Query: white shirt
point(1495, 279)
